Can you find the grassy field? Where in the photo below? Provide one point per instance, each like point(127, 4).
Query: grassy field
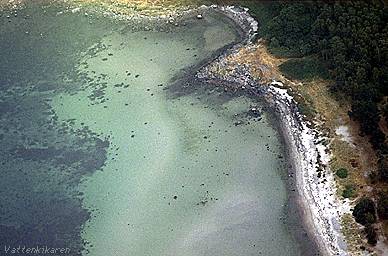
point(307, 68)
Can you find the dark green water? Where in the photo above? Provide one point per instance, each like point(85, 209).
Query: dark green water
point(101, 156)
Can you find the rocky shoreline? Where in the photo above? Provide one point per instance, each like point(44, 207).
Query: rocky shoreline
point(307, 151)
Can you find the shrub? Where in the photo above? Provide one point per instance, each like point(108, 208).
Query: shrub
point(349, 191)
point(306, 109)
point(365, 212)
point(342, 173)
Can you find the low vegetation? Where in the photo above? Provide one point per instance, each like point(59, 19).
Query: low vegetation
point(306, 68)
point(349, 191)
point(342, 173)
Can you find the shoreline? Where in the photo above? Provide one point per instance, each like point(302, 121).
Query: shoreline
point(317, 203)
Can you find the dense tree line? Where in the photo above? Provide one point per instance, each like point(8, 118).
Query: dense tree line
point(351, 38)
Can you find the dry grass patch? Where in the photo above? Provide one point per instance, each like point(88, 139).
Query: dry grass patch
point(351, 231)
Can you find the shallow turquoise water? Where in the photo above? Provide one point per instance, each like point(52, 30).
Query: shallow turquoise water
point(120, 158)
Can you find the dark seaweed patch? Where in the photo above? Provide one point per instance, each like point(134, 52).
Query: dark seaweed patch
point(43, 159)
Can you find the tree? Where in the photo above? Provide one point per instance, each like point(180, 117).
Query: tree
point(371, 235)
point(364, 212)
point(342, 173)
